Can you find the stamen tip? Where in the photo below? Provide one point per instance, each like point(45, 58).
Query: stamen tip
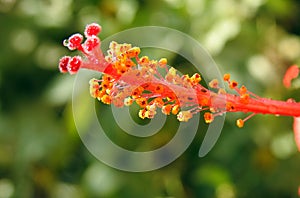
point(240, 123)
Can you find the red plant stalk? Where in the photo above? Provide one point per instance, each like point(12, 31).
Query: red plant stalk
point(151, 84)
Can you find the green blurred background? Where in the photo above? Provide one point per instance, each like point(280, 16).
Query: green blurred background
point(41, 154)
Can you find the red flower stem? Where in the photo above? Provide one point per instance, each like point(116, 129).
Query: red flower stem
point(261, 105)
point(205, 97)
point(208, 98)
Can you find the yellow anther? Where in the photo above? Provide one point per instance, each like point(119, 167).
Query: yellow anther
point(122, 69)
point(243, 89)
point(100, 94)
point(159, 102)
point(151, 107)
point(151, 111)
point(106, 77)
point(159, 89)
point(186, 80)
point(162, 62)
point(172, 71)
point(133, 52)
point(137, 92)
point(185, 77)
point(128, 101)
point(240, 123)
point(175, 109)
point(226, 77)
point(93, 81)
point(107, 91)
point(129, 63)
point(233, 84)
point(108, 58)
point(113, 45)
point(244, 98)
point(106, 99)
point(213, 110)
point(94, 88)
point(166, 109)
point(184, 116)
point(142, 102)
point(208, 117)
point(106, 85)
point(195, 79)
point(94, 92)
point(171, 75)
point(144, 60)
point(229, 106)
point(142, 113)
point(171, 98)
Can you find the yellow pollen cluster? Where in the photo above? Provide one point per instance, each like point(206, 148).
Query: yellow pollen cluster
point(125, 62)
point(120, 56)
point(106, 99)
point(94, 88)
point(101, 91)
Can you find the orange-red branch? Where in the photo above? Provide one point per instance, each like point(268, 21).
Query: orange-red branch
point(226, 102)
point(262, 106)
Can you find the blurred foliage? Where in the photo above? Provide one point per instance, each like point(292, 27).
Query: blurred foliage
point(41, 154)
